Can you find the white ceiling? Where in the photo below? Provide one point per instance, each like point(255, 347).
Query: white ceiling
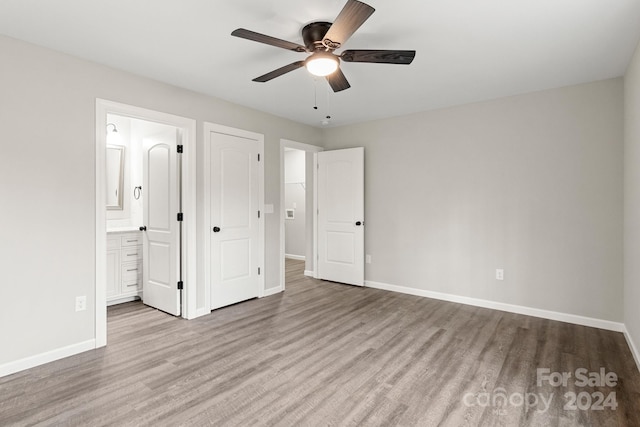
point(467, 50)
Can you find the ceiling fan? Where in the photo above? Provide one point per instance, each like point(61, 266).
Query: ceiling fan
point(321, 39)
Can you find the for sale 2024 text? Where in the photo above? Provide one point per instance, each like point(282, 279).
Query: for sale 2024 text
point(582, 377)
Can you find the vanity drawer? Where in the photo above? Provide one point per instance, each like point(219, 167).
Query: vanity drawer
point(131, 253)
point(131, 286)
point(131, 272)
point(131, 240)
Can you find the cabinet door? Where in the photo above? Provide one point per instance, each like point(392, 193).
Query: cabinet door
point(113, 273)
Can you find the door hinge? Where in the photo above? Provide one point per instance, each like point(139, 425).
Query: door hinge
point(258, 214)
point(180, 284)
point(258, 156)
point(180, 148)
point(258, 271)
point(180, 216)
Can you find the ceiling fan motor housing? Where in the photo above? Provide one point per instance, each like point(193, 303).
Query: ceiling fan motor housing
point(313, 34)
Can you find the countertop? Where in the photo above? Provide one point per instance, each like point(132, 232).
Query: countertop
point(126, 229)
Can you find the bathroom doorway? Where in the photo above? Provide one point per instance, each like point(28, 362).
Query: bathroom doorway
point(143, 166)
point(145, 210)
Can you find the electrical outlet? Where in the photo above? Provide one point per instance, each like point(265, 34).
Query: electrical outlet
point(367, 259)
point(81, 303)
point(499, 274)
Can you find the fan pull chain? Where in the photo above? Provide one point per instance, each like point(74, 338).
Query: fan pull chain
point(328, 116)
point(328, 104)
point(315, 93)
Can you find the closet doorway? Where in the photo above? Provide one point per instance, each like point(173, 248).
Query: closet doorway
point(145, 210)
point(297, 230)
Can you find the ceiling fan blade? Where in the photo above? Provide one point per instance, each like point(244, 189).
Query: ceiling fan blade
point(350, 18)
point(272, 41)
point(280, 71)
point(338, 81)
point(379, 56)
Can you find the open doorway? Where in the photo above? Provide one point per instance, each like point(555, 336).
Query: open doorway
point(296, 206)
point(152, 185)
point(129, 140)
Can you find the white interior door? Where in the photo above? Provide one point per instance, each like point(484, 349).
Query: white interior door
point(234, 222)
point(340, 182)
point(161, 239)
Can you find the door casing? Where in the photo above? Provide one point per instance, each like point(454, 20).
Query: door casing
point(188, 129)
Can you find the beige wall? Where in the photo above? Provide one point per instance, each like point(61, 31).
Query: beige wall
point(531, 184)
point(632, 200)
point(47, 117)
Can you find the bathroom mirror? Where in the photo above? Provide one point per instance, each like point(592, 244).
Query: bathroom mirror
point(115, 176)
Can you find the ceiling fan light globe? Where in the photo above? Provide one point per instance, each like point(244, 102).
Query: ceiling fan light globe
point(322, 65)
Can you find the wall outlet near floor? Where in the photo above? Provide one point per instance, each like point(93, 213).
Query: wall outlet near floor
point(367, 259)
point(81, 303)
point(499, 274)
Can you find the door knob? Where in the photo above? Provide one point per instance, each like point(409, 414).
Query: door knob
point(216, 229)
point(358, 223)
point(143, 228)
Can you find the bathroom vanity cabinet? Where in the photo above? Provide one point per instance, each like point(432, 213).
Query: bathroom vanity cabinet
point(124, 266)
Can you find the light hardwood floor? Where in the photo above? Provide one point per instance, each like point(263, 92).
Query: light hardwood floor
point(325, 354)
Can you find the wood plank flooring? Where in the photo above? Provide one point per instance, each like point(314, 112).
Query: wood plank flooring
point(327, 354)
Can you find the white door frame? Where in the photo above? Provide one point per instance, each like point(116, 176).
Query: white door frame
point(285, 143)
point(188, 128)
point(259, 138)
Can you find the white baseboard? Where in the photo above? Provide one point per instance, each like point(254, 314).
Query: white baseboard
point(632, 346)
point(49, 356)
point(511, 308)
point(309, 273)
point(272, 291)
point(298, 257)
point(202, 312)
point(122, 300)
